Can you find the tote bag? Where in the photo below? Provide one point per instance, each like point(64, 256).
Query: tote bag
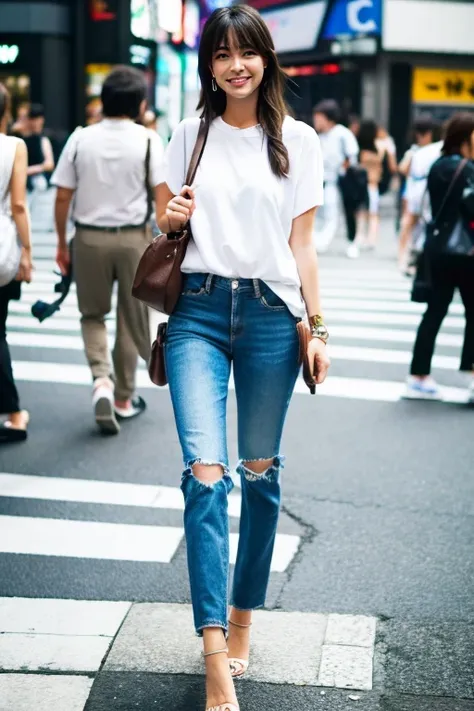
point(10, 248)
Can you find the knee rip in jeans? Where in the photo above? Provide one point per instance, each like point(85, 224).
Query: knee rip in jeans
point(270, 474)
point(214, 476)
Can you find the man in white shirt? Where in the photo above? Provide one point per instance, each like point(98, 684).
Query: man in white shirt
point(340, 149)
point(111, 169)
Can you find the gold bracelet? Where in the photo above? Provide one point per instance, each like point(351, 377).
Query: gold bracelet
point(315, 321)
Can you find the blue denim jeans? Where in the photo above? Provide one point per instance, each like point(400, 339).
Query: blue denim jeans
point(217, 323)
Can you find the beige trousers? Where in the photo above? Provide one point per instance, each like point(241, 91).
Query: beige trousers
point(100, 259)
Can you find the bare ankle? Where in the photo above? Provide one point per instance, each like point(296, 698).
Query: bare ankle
point(243, 617)
point(123, 404)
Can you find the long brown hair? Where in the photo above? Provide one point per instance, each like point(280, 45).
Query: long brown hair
point(250, 31)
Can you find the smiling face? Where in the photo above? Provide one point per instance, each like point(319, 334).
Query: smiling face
point(237, 70)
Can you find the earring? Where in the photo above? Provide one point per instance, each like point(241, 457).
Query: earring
point(214, 84)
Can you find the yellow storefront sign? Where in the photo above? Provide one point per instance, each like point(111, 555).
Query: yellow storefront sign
point(442, 86)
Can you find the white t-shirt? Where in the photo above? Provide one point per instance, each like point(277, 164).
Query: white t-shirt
point(386, 145)
point(338, 145)
point(105, 165)
point(244, 213)
point(420, 166)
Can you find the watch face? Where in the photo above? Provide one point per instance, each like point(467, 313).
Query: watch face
point(316, 321)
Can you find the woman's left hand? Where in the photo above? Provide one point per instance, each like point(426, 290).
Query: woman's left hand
point(26, 267)
point(317, 354)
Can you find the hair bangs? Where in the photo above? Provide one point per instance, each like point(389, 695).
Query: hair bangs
point(235, 29)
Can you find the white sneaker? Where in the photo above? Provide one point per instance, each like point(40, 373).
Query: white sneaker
point(422, 389)
point(353, 251)
point(103, 405)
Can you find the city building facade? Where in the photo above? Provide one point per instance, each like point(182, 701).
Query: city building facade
point(384, 59)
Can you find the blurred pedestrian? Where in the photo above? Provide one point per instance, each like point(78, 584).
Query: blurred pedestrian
point(252, 256)
point(20, 126)
point(13, 216)
point(370, 158)
point(448, 260)
point(417, 210)
point(151, 118)
point(109, 168)
point(353, 124)
point(94, 112)
point(386, 145)
point(340, 150)
point(423, 135)
point(40, 153)
point(413, 183)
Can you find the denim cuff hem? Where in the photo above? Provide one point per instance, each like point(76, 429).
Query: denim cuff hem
point(211, 623)
point(248, 609)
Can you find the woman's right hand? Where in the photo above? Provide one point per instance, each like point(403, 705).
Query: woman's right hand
point(180, 209)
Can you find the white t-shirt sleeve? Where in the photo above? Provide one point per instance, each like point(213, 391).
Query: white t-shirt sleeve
point(309, 184)
point(351, 147)
point(65, 174)
point(415, 185)
point(156, 159)
point(174, 164)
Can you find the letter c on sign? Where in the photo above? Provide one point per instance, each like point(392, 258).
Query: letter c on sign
point(353, 11)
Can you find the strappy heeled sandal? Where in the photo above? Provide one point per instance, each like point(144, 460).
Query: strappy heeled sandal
point(226, 706)
point(238, 667)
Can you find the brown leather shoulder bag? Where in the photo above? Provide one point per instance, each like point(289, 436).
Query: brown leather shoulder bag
point(158, 279)
point(304, 338)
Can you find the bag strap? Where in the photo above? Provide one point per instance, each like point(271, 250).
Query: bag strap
point(149, 196)
point(198, 150)
point(448, 192)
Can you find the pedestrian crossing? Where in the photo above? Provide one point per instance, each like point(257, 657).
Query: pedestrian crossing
point(367, 307)
point(102, 540)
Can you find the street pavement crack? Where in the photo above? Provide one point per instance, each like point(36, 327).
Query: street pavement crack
point(385, 507)
point(309, 533)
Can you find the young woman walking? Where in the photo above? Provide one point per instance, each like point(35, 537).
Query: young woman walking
point(370, 158)
point(250, 274)
point(450, 269)
point(13, 209)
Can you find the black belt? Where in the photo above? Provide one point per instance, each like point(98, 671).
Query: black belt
point(115, 230)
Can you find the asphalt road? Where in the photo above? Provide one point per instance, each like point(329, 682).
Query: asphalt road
point(378, 491)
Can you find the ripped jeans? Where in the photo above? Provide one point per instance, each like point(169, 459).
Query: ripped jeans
point(218, 322)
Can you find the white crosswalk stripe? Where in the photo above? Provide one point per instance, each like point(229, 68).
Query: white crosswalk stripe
point(72, 637)
point(371, 319)
point(56, 537)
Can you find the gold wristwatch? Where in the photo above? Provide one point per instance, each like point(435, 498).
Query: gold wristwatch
point(318, 328)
